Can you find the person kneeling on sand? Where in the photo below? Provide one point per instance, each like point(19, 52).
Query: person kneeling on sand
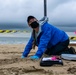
point(49, 39)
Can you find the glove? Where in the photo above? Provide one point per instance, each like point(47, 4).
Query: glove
point(22, 57)
point(34, 57)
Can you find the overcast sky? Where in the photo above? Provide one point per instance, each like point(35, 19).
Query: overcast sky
point(58, 11)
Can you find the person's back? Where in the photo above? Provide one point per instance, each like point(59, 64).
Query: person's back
point(56, 35)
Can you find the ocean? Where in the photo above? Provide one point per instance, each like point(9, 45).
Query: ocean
point(24, 32)
point(14, 38)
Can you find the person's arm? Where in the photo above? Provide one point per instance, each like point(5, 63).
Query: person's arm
point(44, 40)
point(28, 47)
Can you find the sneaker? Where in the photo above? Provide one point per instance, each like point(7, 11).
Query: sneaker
point(72, 50)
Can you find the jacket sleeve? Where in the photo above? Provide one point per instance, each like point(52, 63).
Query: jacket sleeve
point(44, 40)
point(28, 47)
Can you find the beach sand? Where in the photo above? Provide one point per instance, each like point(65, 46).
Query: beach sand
point(12, 64)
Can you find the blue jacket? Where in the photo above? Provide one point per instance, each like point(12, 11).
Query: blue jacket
point(50, 37)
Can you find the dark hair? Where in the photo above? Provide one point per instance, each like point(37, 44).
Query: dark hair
point(30, 17)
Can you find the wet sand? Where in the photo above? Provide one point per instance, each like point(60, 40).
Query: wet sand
point(12, 64)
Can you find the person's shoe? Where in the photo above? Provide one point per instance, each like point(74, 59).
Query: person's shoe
point(72, 50)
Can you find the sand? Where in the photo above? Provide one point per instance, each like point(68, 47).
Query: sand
point(12, 64)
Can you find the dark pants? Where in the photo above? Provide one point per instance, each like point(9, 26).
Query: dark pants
point(58, 48)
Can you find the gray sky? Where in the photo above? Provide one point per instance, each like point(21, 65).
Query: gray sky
point(59, 11)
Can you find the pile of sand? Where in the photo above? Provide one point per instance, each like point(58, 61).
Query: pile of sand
point(12, 64)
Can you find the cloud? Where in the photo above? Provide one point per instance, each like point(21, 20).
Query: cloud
point(11, 10)
point(59, 11)
point(18, 10)
point(52, 4)
point(64, 13)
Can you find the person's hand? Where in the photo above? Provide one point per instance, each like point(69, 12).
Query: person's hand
point(34, 57)
point(22, 57)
